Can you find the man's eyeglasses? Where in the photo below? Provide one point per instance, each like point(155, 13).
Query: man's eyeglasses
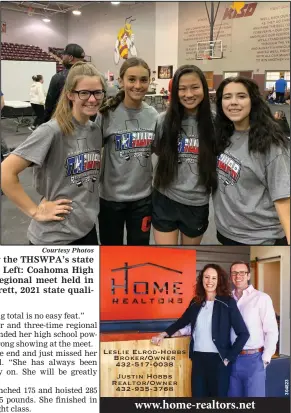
point(240, 273)
point(86, 94)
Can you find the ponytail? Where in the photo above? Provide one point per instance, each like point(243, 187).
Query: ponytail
point(37, 78)
point(112, 102)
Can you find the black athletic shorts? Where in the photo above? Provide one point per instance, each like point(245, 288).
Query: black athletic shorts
point(169, 215)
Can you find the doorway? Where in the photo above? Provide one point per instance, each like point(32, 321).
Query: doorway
point(247, 73)
point(269, 281)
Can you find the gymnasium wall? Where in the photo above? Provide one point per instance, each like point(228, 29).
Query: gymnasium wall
point(96, 30)
point(257, 40)
point(21, 28)
point(166, 34)
point(166, 42)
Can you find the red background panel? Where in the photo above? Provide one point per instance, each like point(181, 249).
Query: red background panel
point(138, 305)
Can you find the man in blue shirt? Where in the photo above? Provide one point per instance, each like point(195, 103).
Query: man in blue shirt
point(281, 86)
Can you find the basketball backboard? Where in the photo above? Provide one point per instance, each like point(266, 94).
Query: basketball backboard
point(212, 49)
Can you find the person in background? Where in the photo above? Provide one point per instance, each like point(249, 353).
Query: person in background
point(280, 117)
point(170, 85)
point(248, 373)
point(2, 101)
point(280, 87)
point(37, 99)
point(128, 126)
point(73, 53)
point(252, 202)
point(153, 86)
point(111, 89)
point(65, 154)
point(4, 147)
point(211, 315)
point(271, 97)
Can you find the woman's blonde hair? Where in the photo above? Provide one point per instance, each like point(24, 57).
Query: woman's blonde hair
point(63, 112)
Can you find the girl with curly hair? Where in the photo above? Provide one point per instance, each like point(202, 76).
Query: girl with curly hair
point(209, 319)
point(252, 203)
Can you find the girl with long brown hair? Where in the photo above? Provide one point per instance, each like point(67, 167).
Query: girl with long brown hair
point(208, 319)
point(252, 202)
point(128, 126)
point(65, 156)
point(186, 169)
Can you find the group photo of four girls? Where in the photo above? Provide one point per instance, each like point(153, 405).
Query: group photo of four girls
point(97, 177)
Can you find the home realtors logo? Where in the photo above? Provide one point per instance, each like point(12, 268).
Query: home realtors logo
point(145, 283)
point(146, 292)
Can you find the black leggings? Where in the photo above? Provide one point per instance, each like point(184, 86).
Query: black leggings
point(39, 112)
point(136, 215)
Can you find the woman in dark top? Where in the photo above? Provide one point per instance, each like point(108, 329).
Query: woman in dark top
point(209, 319)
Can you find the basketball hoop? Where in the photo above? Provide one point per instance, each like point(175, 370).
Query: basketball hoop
point(206, 56)
point(209, 50)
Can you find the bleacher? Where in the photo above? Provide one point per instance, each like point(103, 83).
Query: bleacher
point(16, 51)
point(57, 52)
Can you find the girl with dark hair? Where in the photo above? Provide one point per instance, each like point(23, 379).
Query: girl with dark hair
point(37, 100)
point(209, 319)
point(128, 126)
point(252, 202)
point(185, 172)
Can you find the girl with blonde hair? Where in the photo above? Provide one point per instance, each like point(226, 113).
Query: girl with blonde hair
point(65, 156)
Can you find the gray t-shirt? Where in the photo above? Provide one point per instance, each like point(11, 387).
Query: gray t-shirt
point(65, 167)
point(248, 186)
point(185, 187)
point(126, 161)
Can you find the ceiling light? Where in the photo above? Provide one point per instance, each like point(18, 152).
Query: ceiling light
point(115, 3)
point(77, 12)
point(46, 20)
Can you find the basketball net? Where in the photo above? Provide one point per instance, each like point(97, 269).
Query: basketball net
point(205, 57)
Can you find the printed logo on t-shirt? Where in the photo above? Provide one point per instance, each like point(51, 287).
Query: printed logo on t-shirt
point(134, 142)
point(228, 169)
point(188, 149)
point(83, 167)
